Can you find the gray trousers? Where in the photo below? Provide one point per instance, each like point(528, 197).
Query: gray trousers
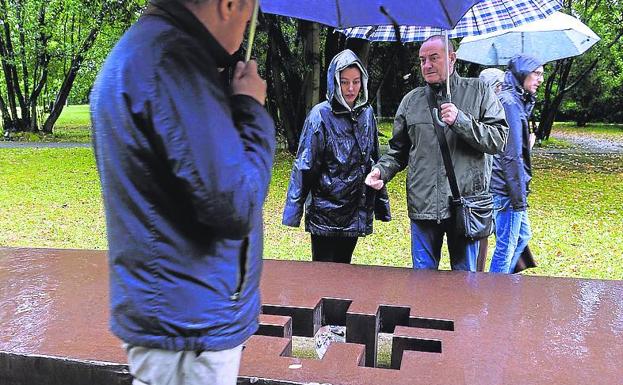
point(165, 367)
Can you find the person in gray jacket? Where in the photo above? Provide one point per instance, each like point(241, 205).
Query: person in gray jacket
point(477, 126)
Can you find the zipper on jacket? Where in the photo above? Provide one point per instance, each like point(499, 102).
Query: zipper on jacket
point(437, 203)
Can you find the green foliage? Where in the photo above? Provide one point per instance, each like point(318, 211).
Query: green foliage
point(47, 42)
point(598, 96)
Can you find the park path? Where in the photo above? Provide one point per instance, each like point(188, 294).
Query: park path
point(586, 143)
point(580, 143)
point(10, 144)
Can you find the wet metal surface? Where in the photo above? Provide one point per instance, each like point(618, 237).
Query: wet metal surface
point(449, 327)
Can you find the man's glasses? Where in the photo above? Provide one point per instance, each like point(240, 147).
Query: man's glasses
point(539, 74)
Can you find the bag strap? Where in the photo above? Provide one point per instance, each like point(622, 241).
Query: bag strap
point(443, 144)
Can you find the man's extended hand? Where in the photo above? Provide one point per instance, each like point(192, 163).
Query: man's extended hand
point(247, 81)
point(373, 179)
point(449, 112)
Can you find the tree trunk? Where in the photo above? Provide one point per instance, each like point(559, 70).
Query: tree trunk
point(361, 48)
point(68, 82)
point(311, 48)
point(552, 102)
point(379, 106)
point(334, 43)
point(285, 84)
point(315, 62)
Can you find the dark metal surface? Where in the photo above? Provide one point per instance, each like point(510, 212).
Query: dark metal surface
point(449, 327)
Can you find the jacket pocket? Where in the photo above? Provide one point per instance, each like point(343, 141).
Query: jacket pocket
point(242, 269)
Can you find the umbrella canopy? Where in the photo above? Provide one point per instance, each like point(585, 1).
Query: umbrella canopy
point(556, 37)
point(350, 13)
point(484, 17)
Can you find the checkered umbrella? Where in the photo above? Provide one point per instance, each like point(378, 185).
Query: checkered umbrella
point(484, 17)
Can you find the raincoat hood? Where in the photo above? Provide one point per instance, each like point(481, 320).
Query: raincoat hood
point(492, 77)
point(519, 67)
point(340, 62)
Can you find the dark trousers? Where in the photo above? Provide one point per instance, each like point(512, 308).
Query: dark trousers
point(332, 249)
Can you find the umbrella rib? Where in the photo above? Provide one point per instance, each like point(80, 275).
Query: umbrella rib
point(339, 14)
point(447, 15)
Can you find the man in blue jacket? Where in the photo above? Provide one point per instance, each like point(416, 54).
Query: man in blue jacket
point(185, 163)
point(512, 169)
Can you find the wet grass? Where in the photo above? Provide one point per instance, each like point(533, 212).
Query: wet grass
point(577, 215)
point(51, 198)
point(385, 131)
point(600, 130)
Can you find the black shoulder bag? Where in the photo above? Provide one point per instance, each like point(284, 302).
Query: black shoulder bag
point(473, 213)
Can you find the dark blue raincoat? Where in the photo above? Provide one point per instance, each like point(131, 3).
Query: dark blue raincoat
point(337, 149)
point(185, 168)
point(512, 170)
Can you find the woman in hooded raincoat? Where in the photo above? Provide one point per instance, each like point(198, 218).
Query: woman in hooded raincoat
point(512, 169)
point(337, 148)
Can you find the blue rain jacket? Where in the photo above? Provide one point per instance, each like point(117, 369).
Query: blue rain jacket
point(337, 149)
point(512, 170)
point(184, 168)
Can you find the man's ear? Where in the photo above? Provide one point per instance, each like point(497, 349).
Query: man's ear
point(225, 8)
point(452, 56)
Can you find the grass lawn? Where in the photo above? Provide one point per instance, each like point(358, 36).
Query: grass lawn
point(51, 198)
point(601, 130)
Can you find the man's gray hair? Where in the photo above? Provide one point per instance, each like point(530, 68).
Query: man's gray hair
point(443, 41)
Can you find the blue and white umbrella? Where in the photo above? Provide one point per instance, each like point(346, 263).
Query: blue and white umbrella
point(484, 17)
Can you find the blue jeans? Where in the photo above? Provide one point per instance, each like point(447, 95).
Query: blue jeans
point(512, 233)
point(426, 242)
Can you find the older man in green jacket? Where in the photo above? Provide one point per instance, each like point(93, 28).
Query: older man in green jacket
point(476, 127)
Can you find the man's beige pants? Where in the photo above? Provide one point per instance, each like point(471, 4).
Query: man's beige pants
point(165, 367)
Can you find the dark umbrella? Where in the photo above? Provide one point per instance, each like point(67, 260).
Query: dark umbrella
point(351, 13)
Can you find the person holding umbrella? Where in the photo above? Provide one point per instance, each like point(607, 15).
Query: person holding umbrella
point(475, 126)
point(338, 146)
point(512, 169)
point(184, 162)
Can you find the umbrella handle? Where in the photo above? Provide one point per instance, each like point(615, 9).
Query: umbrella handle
point(252, 26)
point(438, 121)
